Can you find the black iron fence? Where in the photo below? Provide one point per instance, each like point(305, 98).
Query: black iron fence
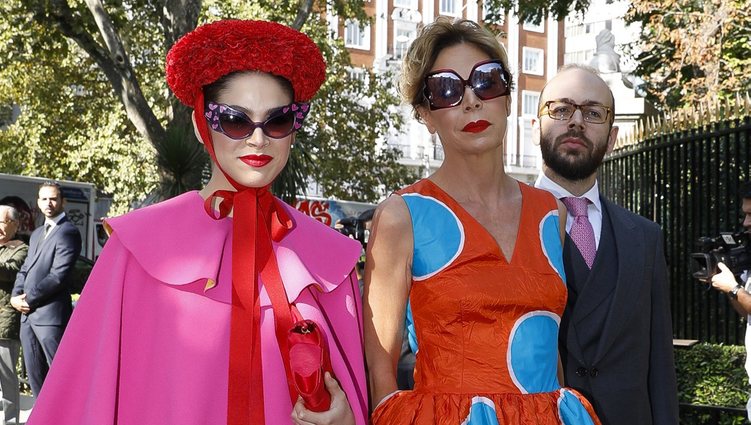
point(684, 172)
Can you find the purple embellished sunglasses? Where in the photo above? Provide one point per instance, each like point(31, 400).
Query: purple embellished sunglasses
point(237, 125)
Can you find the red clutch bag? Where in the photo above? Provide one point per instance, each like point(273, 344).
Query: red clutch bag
point(308, 362)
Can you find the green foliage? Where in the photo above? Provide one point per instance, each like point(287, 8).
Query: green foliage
point(349, 120)
point(712, 374)
point(74, 127)
point(692, 50)
point(532, 10)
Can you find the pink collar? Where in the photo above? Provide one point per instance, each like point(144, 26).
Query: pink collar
point(177, 243)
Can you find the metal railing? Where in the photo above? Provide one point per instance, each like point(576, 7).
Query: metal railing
point(684, 172)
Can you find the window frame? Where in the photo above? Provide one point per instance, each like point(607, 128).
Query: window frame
point(540, 53)
point(362, 31)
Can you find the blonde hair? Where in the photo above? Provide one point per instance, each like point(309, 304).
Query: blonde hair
point(433, 38)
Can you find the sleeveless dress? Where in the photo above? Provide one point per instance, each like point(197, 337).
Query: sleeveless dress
point(485, 330)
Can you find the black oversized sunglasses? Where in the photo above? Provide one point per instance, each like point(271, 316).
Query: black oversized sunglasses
point(444, 88)
point(237, 125)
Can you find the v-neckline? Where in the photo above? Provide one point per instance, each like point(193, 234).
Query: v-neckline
point(463, 211)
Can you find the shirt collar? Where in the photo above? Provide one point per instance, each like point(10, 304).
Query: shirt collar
point(593, 194)
point(54, 220)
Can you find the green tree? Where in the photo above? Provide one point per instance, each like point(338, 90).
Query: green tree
point(90, 81)
point(532, 10)
point(693, 50)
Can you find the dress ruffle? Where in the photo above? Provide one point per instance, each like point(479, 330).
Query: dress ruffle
point(564, 406)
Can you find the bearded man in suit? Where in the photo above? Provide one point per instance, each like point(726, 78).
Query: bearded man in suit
point(41, 291)
point(616, 332)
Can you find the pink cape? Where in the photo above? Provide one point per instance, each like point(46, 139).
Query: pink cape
point(149, 339)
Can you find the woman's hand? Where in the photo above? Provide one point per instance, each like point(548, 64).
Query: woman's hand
point(339, 413)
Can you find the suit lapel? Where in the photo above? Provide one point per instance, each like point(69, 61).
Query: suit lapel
point(54, 230)
point(629, 242)
point(39, 243)
point(35, 245)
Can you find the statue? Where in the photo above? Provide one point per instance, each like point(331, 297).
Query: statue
point(605, 59)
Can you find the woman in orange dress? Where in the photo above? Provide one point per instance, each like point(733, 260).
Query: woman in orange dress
point(469, 260)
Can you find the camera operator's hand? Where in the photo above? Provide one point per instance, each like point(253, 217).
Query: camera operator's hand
point(725, 280)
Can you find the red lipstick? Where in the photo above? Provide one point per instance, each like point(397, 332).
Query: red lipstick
point(476, 126)
point(257, 161)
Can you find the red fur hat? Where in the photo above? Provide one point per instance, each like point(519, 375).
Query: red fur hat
point(213, 50)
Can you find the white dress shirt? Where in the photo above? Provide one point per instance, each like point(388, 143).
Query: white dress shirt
point(52, 222)
point(594, 209)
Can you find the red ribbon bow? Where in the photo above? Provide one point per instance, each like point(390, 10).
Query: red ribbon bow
point(258, 219)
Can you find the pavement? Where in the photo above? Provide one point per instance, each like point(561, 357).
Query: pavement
point(27, 402)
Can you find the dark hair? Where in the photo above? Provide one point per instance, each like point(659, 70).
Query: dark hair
point(211, 91)
point(51, 183)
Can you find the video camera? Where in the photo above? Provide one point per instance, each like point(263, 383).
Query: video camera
point(356, 227)
point(733, 249)
point(352, 227)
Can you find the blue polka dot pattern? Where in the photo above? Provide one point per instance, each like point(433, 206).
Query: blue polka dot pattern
point(410, 326)
point(481, 412)
point(533, 352)
point(571, 410)
point(550, 240)
point(437, 232)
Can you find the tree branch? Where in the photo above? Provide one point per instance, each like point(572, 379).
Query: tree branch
point(113, 61)
point(303, 12)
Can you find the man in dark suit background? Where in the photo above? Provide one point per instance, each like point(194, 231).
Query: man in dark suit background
point(41, 291)
point(616, 332)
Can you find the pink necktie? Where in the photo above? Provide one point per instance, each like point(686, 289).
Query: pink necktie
point(581, 230)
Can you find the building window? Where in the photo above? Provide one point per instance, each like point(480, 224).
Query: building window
point(573, 30)
point(579, 56)
point(448, 7)
point(356, 37)
point(533, 61)
point(531, 26)
point(408, 4)
point(530, 99)
point(404, 34)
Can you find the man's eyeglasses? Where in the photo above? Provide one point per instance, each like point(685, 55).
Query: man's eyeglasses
point(562, 111)
point(444, 88)
point(237, 125)
point(7, 221)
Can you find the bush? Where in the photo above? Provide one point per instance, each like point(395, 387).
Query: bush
point(711, 374)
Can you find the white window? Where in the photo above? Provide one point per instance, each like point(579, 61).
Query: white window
point(449, 7)
point(529, 103)
point(579, 56)
point(356, 37)
point(533, 61)
point(409, 4)
point(530, 26)
point(404, 34)
point(573, 29)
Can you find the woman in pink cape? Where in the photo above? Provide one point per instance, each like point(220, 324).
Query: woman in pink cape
point(178, 323)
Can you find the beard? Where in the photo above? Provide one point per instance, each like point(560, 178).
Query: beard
point(578, 166)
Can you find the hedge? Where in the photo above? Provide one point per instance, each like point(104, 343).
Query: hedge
point(711, 375)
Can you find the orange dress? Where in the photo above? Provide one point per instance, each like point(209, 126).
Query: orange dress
point(485, 330)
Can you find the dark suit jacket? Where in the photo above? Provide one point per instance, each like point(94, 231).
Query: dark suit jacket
point(43, 276)
point(628, 371)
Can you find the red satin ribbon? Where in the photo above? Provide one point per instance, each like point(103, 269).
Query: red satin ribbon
point(258, 219)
